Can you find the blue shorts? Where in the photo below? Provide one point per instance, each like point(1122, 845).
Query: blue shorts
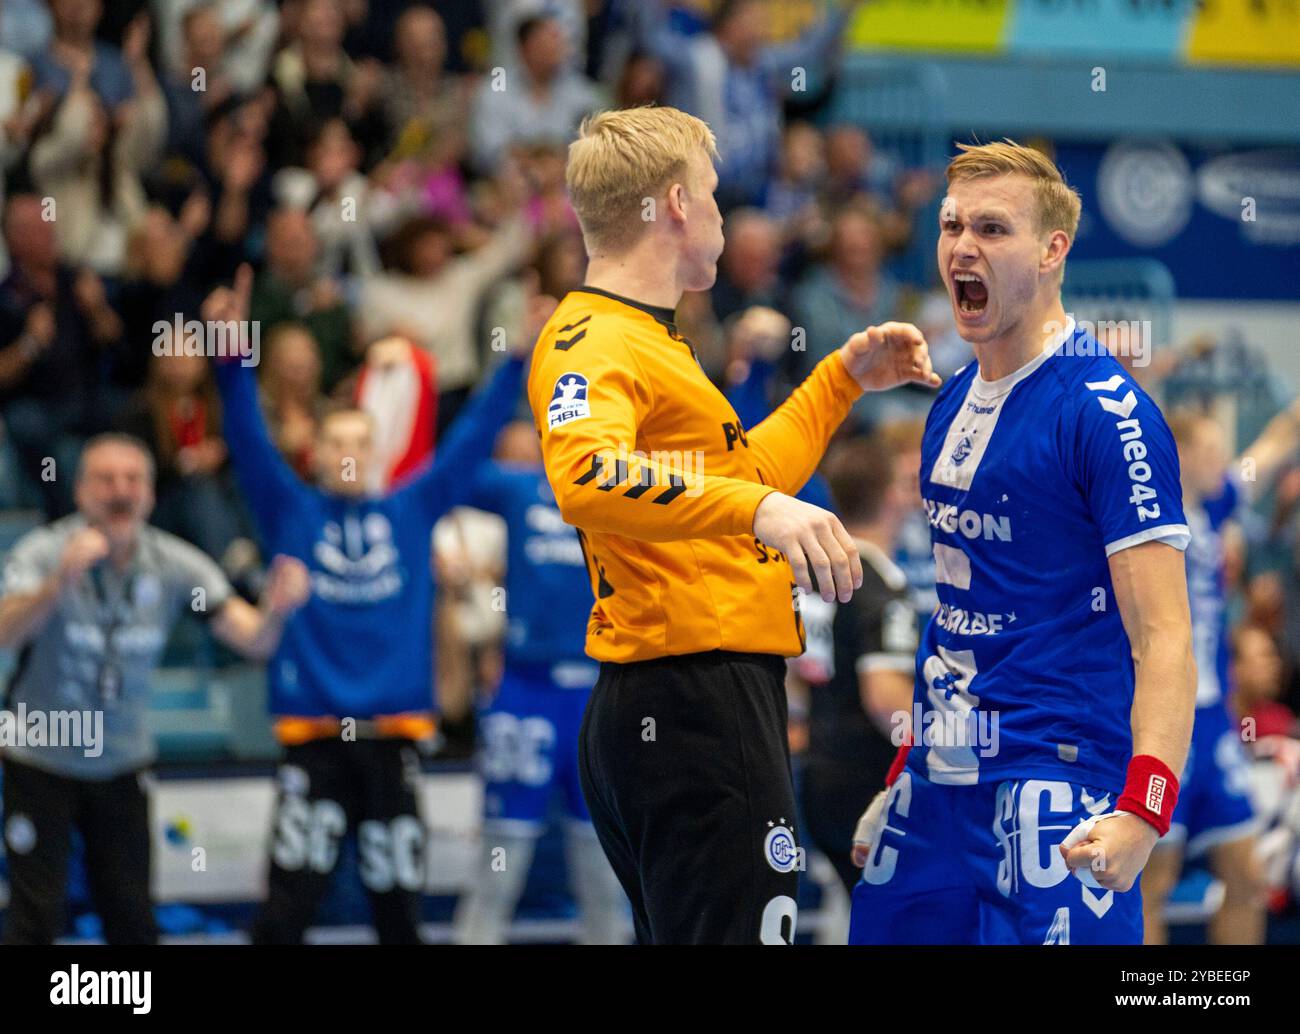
point(1214, 805)
point(980, 865)
point(529, 751)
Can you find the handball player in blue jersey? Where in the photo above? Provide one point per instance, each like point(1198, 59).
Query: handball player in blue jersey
point(350, 685)
point(1055, 682)
point(529, 731)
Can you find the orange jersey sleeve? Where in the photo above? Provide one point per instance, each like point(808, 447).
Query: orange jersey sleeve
point(788, 445)
point(590, 405)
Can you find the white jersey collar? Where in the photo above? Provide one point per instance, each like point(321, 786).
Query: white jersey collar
point(992, 389)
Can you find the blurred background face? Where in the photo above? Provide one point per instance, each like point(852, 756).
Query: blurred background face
point(334, 155)
point(205, 39)
point(848, 153)
point(421, 40)
point(295, 363)
point(856, 246)
point(744, 32)
point(30, 238)
point(179, 374)
point(291, 247)
point(430, 253)
point(545, 50)
point(321, 24)
point(76, 19)
point(115, 491)
point(344, 452)
point(561, 265)
point(1203, 457)
point(752, 252)
point(803, 153)
point(642, 82)
point(1257, 665)
point(988, 228)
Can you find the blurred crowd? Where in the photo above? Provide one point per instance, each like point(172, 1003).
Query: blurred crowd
point(394, 171)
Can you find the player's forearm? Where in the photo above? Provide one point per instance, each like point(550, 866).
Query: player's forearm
point(24, 614)
point(789, 444)
point(610, 491)
point(252, 632)
point(1164, 699)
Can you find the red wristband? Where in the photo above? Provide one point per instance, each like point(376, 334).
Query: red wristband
point(1150, 792)
point(900, 762)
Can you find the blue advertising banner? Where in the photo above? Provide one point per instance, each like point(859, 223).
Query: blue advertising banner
point(1226, 223)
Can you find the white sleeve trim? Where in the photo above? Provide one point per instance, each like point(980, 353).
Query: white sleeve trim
point(885, 662)
point(1175, 535)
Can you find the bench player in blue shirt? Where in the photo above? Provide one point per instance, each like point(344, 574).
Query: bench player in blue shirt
point(1215, 815)
point(1055, 682)
point(350, 685)
point(529, 730)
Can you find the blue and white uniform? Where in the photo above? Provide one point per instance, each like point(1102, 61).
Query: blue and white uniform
point(1024, 677)
point(530, 729)
point(1214, 804)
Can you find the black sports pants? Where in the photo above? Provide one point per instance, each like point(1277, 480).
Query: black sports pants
point(328, 788)
point(685, 766)
point(40, 810)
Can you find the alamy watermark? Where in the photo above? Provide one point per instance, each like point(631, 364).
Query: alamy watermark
point(215, 339)
point(675, 471)
point(977, 730)
point(1130, 339)
point(23, 728)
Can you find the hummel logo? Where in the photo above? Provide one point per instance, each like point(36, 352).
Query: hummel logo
point(1124, 406)
point(1109, 385)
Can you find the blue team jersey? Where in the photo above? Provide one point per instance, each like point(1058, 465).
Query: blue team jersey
point(548, 590)
point(360, 646)
point(1030, 484)
point(1207, 594)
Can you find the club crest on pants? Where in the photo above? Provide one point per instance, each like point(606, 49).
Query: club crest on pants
point(779, 848)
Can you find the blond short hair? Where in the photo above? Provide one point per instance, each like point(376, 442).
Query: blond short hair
point(1059, 204)
point(623, 157)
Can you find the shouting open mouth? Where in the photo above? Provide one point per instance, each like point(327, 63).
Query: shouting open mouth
point(970, 292)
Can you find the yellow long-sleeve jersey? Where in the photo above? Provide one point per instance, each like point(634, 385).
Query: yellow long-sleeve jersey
point(649, 461)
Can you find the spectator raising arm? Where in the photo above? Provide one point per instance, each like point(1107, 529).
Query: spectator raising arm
point(266, 479)
point(448, 480)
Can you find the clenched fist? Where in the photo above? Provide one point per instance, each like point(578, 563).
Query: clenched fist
point(83, 550)
point(1109, 851)
point(288, 586)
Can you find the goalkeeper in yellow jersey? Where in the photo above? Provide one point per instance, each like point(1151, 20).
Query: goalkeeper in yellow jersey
point(695, 546)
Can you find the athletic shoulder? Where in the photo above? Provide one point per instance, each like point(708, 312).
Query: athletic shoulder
point(586, 330)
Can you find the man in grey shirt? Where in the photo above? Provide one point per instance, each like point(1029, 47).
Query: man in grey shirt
point(88, 602)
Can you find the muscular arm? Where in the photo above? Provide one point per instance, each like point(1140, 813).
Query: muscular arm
point(1151, 592)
